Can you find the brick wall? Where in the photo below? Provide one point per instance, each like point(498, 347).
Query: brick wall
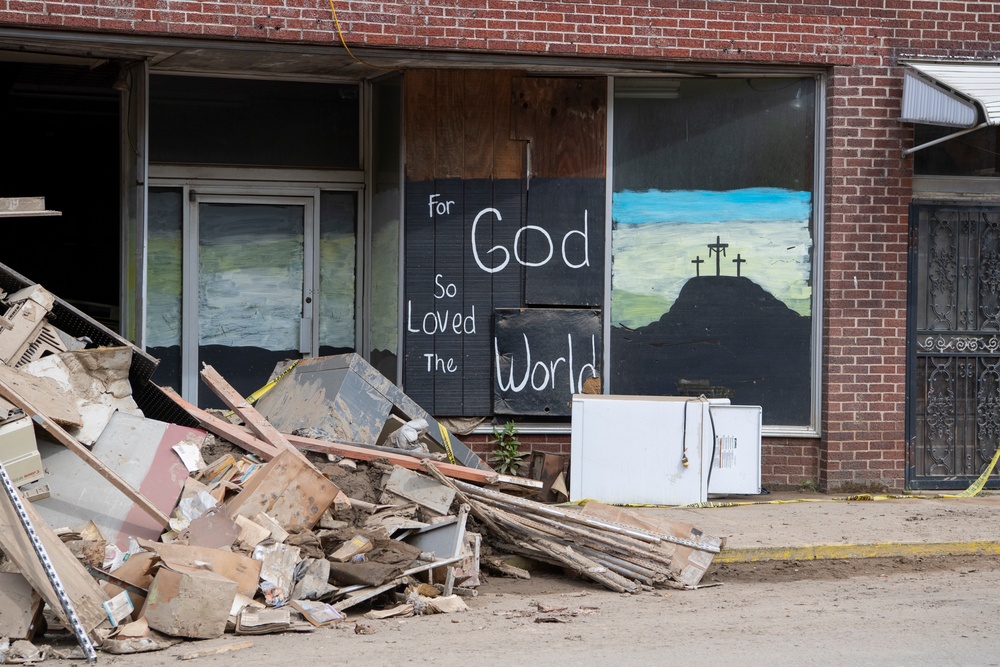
point(867, 184)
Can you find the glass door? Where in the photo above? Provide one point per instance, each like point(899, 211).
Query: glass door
point(249, 287)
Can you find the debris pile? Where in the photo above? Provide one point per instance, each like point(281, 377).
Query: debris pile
point(278, 515)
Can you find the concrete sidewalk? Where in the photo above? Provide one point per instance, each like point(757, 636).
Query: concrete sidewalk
point(801, 526)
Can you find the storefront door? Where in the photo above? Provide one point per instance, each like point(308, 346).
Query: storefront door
point(248, 297)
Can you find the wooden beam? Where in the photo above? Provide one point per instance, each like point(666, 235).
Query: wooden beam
point(84, 453)
point(243, 438)
point(256, 421)
point(220, 427)
point(402, 460)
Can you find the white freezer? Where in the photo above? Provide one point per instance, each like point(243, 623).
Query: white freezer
point(630, 450)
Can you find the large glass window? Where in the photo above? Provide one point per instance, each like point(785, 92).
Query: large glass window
point(713, 239)
point(199, 120)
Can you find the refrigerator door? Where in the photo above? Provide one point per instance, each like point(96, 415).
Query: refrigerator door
point(735, 456)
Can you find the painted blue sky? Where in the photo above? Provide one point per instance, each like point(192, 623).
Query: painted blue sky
point(657, 234)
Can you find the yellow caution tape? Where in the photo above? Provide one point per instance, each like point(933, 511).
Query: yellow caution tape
point(978, 485)
point(257, 395)
point(447, 442)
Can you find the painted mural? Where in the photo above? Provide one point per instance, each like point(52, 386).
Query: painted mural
point(712, 293)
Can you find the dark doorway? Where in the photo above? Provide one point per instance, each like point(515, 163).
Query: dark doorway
point(61, 142)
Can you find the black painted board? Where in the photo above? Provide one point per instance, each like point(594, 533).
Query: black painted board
point(477, 293)
point(543, 356)
point(447, 322)
point(564, 237)
point(509, 201)
point(418, 296)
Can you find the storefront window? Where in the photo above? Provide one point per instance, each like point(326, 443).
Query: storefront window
point(713, 242)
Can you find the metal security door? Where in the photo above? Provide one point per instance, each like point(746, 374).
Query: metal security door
point(953, 398)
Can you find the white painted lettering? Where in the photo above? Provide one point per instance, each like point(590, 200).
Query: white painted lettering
point(585, 233)
point(548, 239)
point(543, 375)
point(510, 385)
point(586, 246)
point(449, 290)
point(475, 250)
point(438, 207)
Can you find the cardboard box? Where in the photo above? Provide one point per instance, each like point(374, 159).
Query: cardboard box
point(187, 601)
point(19, 451)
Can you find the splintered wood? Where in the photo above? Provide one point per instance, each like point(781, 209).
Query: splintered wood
point(613, 547)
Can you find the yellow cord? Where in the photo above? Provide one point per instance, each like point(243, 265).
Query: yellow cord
point(340, 34)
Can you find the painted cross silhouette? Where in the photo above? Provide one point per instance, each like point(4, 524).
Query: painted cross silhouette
point(719, 249)
point(737, 262)
point(697, 261)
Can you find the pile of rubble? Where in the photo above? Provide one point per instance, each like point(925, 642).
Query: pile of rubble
point(283, 513)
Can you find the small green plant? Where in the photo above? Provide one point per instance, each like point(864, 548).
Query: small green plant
point(808, 486)
point(507, 457)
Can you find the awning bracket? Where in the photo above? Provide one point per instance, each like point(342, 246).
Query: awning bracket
point(908, 151)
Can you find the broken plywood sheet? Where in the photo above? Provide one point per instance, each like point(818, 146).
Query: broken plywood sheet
point(19, 606)
point(690, 564)
point(420, 489)
point(140, 451)
point(291, 492)
point(83, 591)
point(97, 379)
point(243, 570)
point(45, 394)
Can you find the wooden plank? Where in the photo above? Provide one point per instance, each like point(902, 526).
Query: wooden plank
point(256, 421)
point(449, 135)
point(402, 460)
point(76, 447)
point(478, 125)
point(565, 119)
point(220, 427)
point(508, 152)
point(418, 123)
point(45, 393)
point(84, 592)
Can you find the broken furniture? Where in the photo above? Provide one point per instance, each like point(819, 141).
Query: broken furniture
point(346, 398)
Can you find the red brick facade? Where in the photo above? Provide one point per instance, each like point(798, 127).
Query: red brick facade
point(868, 183)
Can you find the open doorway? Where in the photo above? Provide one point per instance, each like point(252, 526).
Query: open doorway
point(61, 127)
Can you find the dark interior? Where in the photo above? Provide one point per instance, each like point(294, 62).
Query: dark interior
point(61, 143)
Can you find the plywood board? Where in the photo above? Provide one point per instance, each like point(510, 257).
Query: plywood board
point(83, 591)
point(139, 451)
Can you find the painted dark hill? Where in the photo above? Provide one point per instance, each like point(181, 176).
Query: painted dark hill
point(730, 332)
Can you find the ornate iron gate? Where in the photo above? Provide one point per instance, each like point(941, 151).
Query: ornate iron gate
point(953, 397)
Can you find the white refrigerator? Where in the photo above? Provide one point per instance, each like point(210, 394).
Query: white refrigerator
point(662, 450)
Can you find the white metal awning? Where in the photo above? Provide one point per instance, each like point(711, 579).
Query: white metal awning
point(962, 94)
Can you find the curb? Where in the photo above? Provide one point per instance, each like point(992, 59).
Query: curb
point(854, 551)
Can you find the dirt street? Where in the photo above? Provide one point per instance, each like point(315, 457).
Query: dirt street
point(884, 612)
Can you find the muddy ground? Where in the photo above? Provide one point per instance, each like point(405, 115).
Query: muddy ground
point(927, 611)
